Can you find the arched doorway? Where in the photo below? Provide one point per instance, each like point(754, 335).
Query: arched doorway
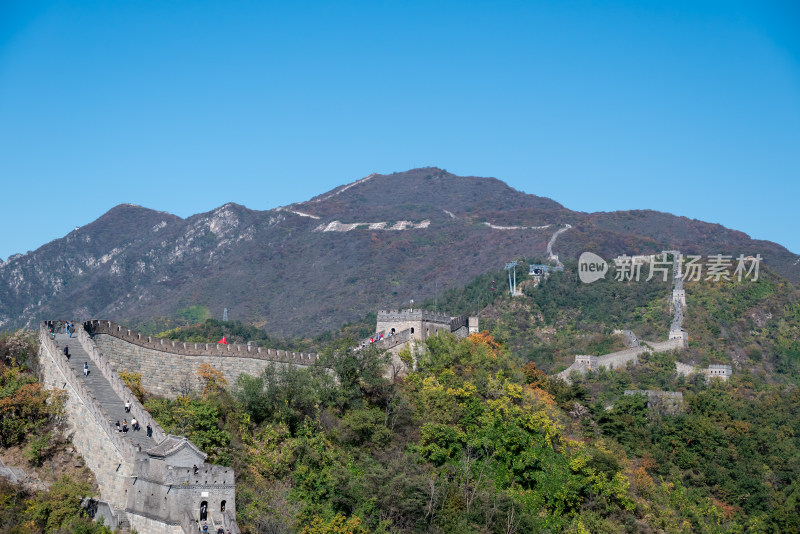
point(222, 506)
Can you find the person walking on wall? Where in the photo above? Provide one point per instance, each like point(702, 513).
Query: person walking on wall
point(119, 428)
point(149, 431)
point(66, 351)
point(85, 368)
point(124, 426)
point(70, 328)
point(134, 424)
point(127, 406)
point(203, 513)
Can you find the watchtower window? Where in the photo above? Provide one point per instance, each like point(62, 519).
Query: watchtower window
point(412, 329)
point(392, 330)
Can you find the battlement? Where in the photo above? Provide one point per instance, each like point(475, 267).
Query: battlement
point(587, 360)
point(111, 328)
point(413, 315)
point(721, 371)
point(159, 471)
point(655, 393)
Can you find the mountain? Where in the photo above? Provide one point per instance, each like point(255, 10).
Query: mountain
point(301, 269)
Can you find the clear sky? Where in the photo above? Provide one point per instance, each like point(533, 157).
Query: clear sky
point(687, 107)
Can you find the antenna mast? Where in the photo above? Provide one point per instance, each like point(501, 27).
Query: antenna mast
point(512, 283)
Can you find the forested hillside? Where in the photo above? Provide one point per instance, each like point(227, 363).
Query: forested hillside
point(479, 439)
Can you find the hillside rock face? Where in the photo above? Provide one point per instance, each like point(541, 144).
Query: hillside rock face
point(309, 267)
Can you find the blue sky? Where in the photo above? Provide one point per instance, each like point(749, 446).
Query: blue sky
point(687, 107)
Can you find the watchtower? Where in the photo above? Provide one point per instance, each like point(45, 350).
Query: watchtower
point(420, 323)
point(586, 360)
point(172, 481)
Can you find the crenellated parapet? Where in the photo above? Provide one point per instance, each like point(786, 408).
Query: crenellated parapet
point(170, 368)
point(413, 315)
point(237, 350)
point(83, 395)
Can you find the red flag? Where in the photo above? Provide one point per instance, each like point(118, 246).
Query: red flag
point(223, 341)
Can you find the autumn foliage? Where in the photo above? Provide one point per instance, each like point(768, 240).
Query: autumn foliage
point(212, 380)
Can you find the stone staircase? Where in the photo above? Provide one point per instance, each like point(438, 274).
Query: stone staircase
point(123, 526)
point(113, 406)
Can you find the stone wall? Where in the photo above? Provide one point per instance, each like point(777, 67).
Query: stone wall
point(119, 387)
point(621, 358)
point(162, 493)
point(411, 315)
point(676, 343)
point(147, 525)
point(197, 349)
point(89, 428)
point(167, 373)
point(105, 512)
point(420, 323)
point(388, 342)
point(723, 372)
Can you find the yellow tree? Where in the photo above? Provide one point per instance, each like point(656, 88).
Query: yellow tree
point(212, 380)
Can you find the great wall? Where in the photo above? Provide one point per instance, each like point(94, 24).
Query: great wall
point(150, 481)
point(166, 365)
point(678, 338)
point(153, 482)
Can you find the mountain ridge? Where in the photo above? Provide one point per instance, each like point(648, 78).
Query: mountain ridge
point(313, 265)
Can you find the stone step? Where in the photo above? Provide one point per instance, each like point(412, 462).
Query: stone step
point(101, 389)
point(123, 525)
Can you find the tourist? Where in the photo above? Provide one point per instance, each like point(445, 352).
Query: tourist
point(205, 527)
point(134, 424)
point(85, 368)
point(124, 426)
point(203, 512)
point(119, 428)
point(66, 351)
point(195, 469)
point(149, 431)
point(70, 328)
point(127, 406)
point(220, 530)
